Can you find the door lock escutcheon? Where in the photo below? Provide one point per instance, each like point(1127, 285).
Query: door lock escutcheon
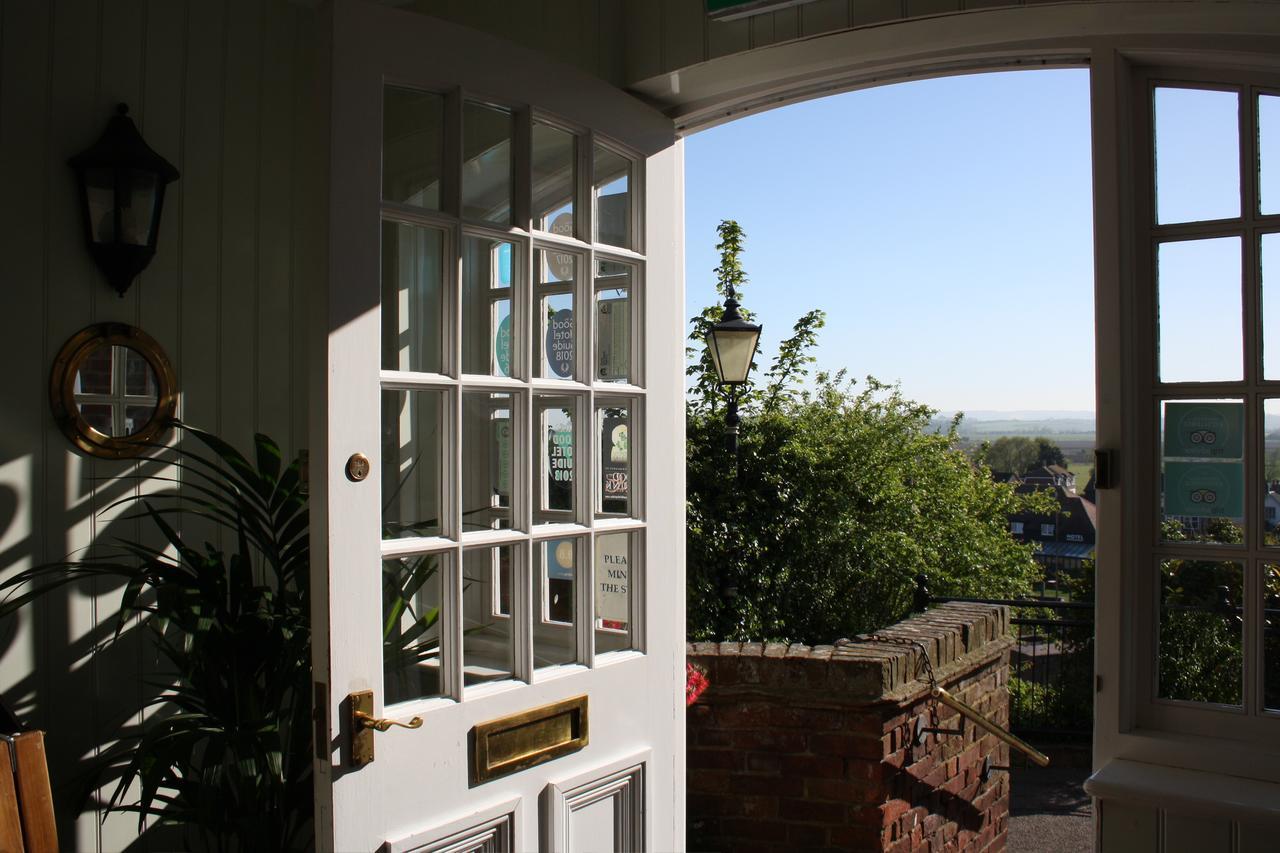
point(357, 467)
point(363, 724)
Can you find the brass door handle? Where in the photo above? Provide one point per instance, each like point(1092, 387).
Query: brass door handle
point(368, 721)
point(363, 724)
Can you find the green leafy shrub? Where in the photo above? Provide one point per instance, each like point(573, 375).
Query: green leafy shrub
point(837, 500)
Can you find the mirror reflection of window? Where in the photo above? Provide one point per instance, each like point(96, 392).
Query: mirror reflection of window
point(116, 391)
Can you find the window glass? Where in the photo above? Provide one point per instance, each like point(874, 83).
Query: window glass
point(1269, 276)
point(412, 145)
point(1202, 466)
point(1269, 154)
point(1200, 632)
point(614, 584)
point(556, 327)
point(555, 575)
point(1271, 636)
point(486, 163)
point(1199, 294)
point(554, 458)
point(488, 446)
point(613, 285)
point(488, 649)
point(613, 460)
point(1197, 155)
point(554, 179)
point(611, 188)
point(412, 463)
point(411, 598)
point(412, 298)
point(490, 340)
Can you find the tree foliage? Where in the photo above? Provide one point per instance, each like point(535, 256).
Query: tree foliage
point(1017, 454)
point(838, 499)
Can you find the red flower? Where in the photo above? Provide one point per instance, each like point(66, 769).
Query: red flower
point(695, 683)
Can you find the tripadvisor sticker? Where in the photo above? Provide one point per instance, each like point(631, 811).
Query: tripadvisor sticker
point(502, 346)
point(1206, 489)
point(1204, 430)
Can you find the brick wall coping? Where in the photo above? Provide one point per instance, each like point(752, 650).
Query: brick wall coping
point(959, 636)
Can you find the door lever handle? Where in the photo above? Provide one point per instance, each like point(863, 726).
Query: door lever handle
point(363, 724)
point(368, 721)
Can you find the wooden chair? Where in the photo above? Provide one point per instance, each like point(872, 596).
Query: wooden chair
point(26, 800)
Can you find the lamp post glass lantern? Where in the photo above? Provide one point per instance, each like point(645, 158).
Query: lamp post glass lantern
point(733, 342)
point(122, 183)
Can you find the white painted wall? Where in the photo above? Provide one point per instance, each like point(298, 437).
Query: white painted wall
point(214, 87)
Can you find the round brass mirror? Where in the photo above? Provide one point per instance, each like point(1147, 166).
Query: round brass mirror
point(112, 390)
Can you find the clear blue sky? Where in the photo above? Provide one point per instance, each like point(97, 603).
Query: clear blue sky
point(944, 225)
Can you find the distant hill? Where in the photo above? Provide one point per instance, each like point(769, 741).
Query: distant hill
point(985, 424)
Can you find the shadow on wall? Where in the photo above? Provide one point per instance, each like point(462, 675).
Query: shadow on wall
point(76, 667)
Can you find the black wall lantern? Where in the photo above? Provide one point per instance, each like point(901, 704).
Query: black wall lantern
point(122, 185)
point(733, 343)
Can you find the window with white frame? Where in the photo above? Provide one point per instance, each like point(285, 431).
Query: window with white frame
point(1015, 527)
point(513, 395)
point(1208, 241)
point(1047, 529)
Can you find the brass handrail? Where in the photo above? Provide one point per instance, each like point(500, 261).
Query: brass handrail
point(979, 719)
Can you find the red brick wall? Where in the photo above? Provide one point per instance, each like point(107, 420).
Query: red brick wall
point(812, 748)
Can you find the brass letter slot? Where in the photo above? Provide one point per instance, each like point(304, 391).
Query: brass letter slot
point(510, 744)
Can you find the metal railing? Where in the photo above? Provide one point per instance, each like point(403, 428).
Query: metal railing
point(1051, 666)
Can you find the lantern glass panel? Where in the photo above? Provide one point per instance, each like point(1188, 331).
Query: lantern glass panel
point(732, 353)
point(137, 207)
point(100, 195)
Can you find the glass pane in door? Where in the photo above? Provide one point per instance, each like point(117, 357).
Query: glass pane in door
point(412, 146)
point(488, 447)
point(486, 163)
point(554, 179)
point(555, 578)
point(413, 464)
point(614, 591)
point(611, 188)
point(412, 298)
point(490, 340)
point(554, 458)
point(613, 286)
point(556, 330)
point(488, 649)
point(411, 599)
point(614, 491)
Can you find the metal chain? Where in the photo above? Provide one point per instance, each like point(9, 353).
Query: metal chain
point(921, 663)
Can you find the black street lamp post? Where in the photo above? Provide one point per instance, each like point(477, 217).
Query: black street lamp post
point(733, 342)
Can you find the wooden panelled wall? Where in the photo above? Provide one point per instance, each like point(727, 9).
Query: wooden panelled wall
point(214, 86)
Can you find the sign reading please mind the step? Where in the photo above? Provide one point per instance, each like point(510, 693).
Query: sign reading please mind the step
point(613, 581)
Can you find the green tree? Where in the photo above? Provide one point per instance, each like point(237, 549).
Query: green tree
point(1014, 454)
point(837, 500)
point(1048, 453)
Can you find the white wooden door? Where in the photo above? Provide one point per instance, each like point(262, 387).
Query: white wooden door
point(503, 345)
